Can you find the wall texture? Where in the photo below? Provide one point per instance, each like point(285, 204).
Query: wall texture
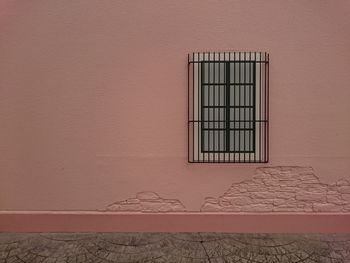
point(272, 189)
point(94, 97)
point(147, 202)
point(283, 189)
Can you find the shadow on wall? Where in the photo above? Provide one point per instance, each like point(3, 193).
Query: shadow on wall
point(272, 189)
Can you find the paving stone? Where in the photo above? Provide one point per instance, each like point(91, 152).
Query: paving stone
point(174, 247)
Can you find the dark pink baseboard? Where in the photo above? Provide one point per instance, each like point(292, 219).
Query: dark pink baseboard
point(173, 222)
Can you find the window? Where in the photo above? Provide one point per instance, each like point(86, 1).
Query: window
point(228, 107)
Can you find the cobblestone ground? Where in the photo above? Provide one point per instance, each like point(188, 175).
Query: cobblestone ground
point(179, 247)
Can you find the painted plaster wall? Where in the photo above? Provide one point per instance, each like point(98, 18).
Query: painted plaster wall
point(94, 96)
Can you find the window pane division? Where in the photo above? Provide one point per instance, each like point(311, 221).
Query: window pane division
point(235, 80)
point(214, 113)
point(242, 84)
point(230, 116)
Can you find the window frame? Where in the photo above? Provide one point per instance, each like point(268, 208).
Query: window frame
point(227, 98)
point(258, 136)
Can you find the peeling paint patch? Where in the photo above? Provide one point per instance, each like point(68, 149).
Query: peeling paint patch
point(282, 189)
point(147, 202)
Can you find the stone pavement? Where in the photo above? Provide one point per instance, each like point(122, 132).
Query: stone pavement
point(174, 247)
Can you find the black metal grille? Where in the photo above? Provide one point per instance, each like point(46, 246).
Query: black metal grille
point(228, 107)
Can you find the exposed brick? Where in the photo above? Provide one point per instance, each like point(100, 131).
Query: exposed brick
point(286, 195)
point(257, 208)
point(316, 188)
point(309, 178)
point(240, 200)
point(326, 207)
point(263, 201)
point(288, 209)
point(224, 202)
point(344, 189)
point(272, 189)
point(263, 195)
point(278, 202)
point(256, 188)
point(147, 202)
point(231, 209)
point(336, 199)
point(343, 182)
point(287, 189)
point(211, 200)
point(308, 207)
point(272, 181)
point(210, 207)
point(284, 188)
point(151, 206)
point(310, 196)
point(346, 197)
point(131, 201)
point(291, 183)
point(346, 207)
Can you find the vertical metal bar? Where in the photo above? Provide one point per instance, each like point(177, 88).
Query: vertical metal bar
point(244, 109)
point(239, 109)
point(193, 119)
point(264, 106)
point(228, 109)
point(202, 108)
point(199, 123)
point(267, 106)
point(188, 107)
point(249, 104)
point(213, 109)
point(224, 115)
point(254, 108)
point(260, 110)
point(258, 105)
point(208, 111)
point(234, 109)
point(219, 110)
point(228, 131)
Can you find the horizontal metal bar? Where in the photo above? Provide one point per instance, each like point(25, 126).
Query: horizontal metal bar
point(213, 107)
point(228, 151)
point(235, 107)
point(230, 129)
point(227, 121)
point(231, 84)
point(231, 61)
point(231, 161)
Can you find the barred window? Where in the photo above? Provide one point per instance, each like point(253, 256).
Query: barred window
point(228, 107)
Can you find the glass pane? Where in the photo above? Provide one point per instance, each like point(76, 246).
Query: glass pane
point(213, 125)
point(241, 95)
point(214, 72)
point(241, 118)
point(214, 117)
point(241, 141)
point(214, 95)
point(241, 72)
point(242, 124)
point(213, 141)
point(241, 114)
point(214, 114)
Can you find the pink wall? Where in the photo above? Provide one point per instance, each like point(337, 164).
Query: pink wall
point(94, 95)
